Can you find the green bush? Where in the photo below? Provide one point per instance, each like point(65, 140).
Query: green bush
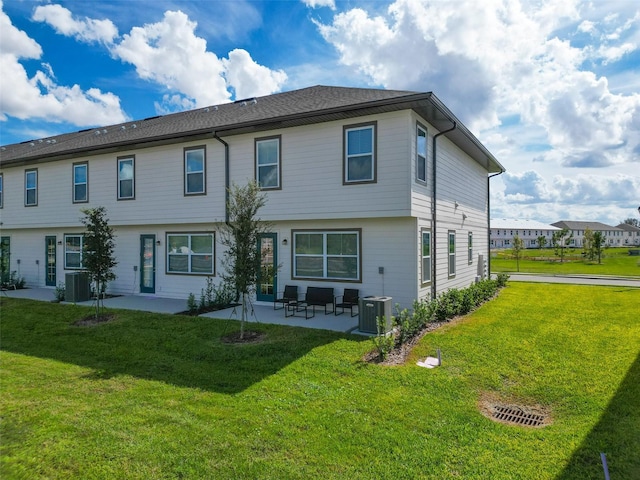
point(383, 341)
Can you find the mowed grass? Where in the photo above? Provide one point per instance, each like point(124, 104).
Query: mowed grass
point(615, 261)
point(152, 396)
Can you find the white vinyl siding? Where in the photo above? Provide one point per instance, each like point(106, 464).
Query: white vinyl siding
point(190, 253)
point(31, 188)
point(194, 171)
point(360, 154)
point(126, 178)
point(73, 251)
point(327, 255)
point(80, 182)
point(268, 162)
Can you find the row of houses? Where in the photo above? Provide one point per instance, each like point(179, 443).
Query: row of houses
point(503, 231)
point(384, 191)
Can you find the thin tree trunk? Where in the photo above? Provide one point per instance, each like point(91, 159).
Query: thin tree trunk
point(244, 315)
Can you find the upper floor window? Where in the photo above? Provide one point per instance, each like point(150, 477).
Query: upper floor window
point(190, 253)
point(80, 182)
point(327, 254)
point(194, 171)
point(126, 178)
point(360, 153)
point(268, 162)
point(452, 253)
point(1, 192)
point(30, 188)
point(421, 153)
point(470, 247)
point(426, 256)
point(73, 245)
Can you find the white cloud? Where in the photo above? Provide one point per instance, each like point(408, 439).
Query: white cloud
point(320, 3)
point(40, 96)
point(489, 60)
point(87, 29)
point(249, 79)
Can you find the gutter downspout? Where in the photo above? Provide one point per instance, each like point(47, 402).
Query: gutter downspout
point(226, 177)
point(489, 221)
point(434, 210)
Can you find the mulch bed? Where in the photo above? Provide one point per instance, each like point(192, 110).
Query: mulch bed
point(92, 320)
point(249, 337)
point(398, 356)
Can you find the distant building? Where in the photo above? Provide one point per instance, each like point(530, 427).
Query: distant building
point(631, 235)
point(502, 231)
point(613, 235)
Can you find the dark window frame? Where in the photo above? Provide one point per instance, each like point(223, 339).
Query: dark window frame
point(73, 182)
point(419, 127)
point(190, 254)
point(256, 166)
point(133, 179)
point(374, 145)
point(26, 190)
point(185, 151)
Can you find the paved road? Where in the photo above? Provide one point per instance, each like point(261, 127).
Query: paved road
point(576, 279)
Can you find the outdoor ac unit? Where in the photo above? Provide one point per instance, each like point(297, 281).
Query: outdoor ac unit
point(77, 287)
point(369, 309)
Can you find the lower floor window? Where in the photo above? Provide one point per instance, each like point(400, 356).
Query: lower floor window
point(452, 253)
point(327, 254)
point(190, 253)
point(73, 245)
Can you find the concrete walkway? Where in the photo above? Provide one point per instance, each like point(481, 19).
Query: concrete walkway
point(577, 279)
point(259, 312)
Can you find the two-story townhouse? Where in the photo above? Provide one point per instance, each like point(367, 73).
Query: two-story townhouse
point(503, 231)
point(384, 191)
point(613, 236)
point(631, 235)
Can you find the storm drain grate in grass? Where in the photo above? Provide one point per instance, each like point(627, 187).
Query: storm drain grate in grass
point(517, 416)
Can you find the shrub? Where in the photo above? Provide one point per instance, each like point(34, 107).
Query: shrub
point(192, 306)
point(384, 342)
point(502, 279)
point(60, 292)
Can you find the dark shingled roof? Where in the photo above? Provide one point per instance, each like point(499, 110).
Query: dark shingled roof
point(288, 109)
point(574, 225)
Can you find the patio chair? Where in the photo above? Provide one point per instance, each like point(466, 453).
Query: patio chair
point(288, 299)
point(348, 300)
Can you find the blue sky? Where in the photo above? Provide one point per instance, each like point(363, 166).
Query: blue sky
point(551, 87)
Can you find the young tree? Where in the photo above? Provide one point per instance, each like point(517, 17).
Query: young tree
point(560, 240)
point(588, 244)
point(240, 235)
point(518, 246)
point(542, 242)
point(598, 242)
point(97, 258)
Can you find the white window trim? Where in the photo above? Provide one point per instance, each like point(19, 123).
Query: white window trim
point(190, 253)
point(420, 128)
point(131, 159)
point(451, 257)
point(85, 183)
point(202, 172)
point(277, 163)
point(26, 189)
point(325, 256)
point(425, 278)
point(350, 128)
point(81, 253)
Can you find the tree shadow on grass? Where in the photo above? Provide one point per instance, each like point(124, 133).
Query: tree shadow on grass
point(617, 435)
point(179, 350)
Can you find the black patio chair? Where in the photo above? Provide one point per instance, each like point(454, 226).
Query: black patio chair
point(288, 299)
point(348, 300)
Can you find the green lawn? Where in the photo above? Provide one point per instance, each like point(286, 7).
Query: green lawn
point(153, 396)
point(615, 261)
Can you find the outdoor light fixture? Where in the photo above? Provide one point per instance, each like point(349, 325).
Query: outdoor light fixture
point(158, 243)
point(285, 242)
point(59, 242)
